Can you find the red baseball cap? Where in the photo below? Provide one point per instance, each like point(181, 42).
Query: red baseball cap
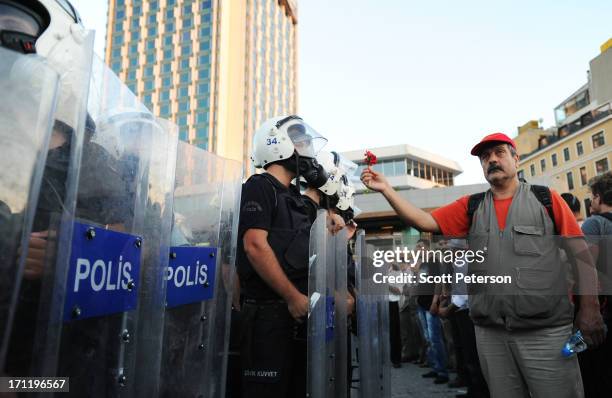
point(495, 137)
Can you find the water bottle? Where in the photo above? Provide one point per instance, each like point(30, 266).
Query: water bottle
point(574, 345)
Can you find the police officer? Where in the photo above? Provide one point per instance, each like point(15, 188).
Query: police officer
point(272, 258)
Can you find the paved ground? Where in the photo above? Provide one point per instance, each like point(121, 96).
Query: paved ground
point(406, 382)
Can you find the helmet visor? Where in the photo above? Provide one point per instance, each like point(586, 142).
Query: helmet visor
point(16, 20)
point(306, 140)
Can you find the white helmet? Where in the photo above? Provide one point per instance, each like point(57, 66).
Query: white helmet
point(37, 26)
point(327, 160)
point(346, 191)
point(280, 137)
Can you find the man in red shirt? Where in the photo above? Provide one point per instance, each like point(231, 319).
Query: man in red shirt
point(520, 356)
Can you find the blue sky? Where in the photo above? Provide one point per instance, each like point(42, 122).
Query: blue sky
point(436, 75)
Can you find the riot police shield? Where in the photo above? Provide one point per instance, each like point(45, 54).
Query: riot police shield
point(340, 245)
point(372, 324)
point(200, 274)
point(34, 331)
point(26, 119)
point(321, 276)
point(107, 296)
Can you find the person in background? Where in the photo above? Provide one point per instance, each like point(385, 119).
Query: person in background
point(395, 292)
point(596, 363)
point(574, 204)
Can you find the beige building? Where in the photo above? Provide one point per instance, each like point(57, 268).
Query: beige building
point(217, 68)
point(568, 155)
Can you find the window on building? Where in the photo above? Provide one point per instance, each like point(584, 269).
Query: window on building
point(150, 44)
point(182, 120)
point(132, 75)
point(185, 64)
point(135, 23)
point(532, 169)
point(553, 158)
point(148, 85)
point(133, 48)
point(570, 181)
point(186, 50)
point(133, 61)
point(203, 88)
point(150, 60)
point(153, 6)
point(543, 165)
point(206, 18)
point(204, 60)
point(601, 166)
point(205, 45)
point(152, 18)
point(166, 82)
point(137, 10)
point(169, 27)
point(152, 31)
point(170, 3)
point(116, 66)
point(168, 40)
point(205, 32)
point(164, 111)
point(120, 14)
point(183, 92)
point(579, 148)
point(168, 54)
point(187, 22)
point(166, 67)
point(202, 118)
point(184, 77)
point(118, 26)
point(521, 174)
point(566, 154)
point(583, 176)
point(186, 35)
point(598, 140)
point(205, 5)
point(170, 13)
point(203, 103)
point(164, 95)
point(203, 73)
point(148, 71)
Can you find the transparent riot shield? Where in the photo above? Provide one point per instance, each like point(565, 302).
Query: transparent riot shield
point(372, 324)
point(34, 330)
point(200, 274)
point(340, 313)
point(26, 119)
point(106, 296)
point(321, 349)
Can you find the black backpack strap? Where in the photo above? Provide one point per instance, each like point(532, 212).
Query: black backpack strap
point(542, 193)
point(473, 202)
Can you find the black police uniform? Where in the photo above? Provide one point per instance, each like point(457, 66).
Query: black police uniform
point(273, 345)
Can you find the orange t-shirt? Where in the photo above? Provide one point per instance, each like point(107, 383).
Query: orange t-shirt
point(453, 218)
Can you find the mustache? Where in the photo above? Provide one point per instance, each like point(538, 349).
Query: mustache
point(494, 167)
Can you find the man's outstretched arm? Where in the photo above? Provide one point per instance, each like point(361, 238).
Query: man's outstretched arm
point(409, 213)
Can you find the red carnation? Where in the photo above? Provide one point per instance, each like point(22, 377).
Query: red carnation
point(370, 158)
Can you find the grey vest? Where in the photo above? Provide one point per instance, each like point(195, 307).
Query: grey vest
point(527, 250)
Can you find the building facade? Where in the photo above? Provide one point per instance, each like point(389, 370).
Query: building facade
point(566, 156)
point(217, 68)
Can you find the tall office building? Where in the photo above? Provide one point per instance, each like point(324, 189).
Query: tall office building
point(217, 68)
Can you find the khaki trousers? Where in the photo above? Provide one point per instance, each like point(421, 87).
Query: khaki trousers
point(528, 363)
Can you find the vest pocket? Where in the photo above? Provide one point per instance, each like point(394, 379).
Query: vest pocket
point(528, 240)
point(536, 297)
